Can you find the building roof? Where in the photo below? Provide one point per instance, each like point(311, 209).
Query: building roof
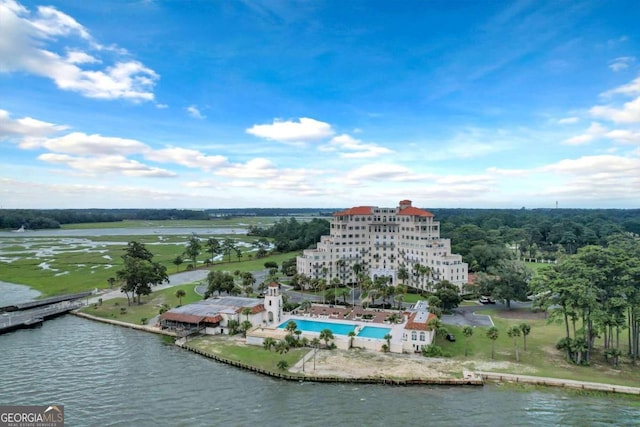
point(413, 211)
point(356, 210)
point(181, 317)
point(212, 308)
point(419, 321)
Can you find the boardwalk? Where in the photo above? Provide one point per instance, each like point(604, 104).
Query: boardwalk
point(27, 318)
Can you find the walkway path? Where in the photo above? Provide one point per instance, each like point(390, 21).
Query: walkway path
point(174, 280)
point(558, 382)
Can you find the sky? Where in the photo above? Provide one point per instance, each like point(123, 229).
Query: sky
point(328, 104)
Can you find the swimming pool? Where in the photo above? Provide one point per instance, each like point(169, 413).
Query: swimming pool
point(373, 332)
point(318, 326)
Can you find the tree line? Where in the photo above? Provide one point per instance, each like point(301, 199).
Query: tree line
point(293, 235)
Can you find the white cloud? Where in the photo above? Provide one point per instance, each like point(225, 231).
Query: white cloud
point(354, 148)
point(186, 157)
point(82, 144)
point(255, 168)
point(28, 42)
point(25, 127)
point(568, 120)
point(382, 172)
point(194, 112)
point(628, 113)
point(594, 131)
point(106, 165)
point(304, 130)
point(623, 135)
point(630, 89)
point(621, 63)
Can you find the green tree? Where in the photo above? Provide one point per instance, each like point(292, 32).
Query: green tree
point(448, 295)
point(228, 247)
point(193, 249)
point(492, 334)
point(282, 347)
point(111, 281)
point(247, 312)
point(268, 343)
point(179, 294)
point(233, 326)
point(525, 328)
point(467, 331)
point(219, 281)
point(514, 332)
point(283, 365)
point(351, 335)
point(326, 335)
point(140, 272)
point(507, 281)
point(245, 326)
point(177, 261)
point(213, 247)
point(387, 338)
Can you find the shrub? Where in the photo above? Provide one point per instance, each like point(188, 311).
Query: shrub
point(432, 350)
point(143, 321)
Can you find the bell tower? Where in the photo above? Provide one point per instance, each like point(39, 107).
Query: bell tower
point(273, 304)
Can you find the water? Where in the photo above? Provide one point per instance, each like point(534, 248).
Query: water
point(374, 332)
point(318, 326)
point(111, 376)
point(142, 231)
point(11, 293)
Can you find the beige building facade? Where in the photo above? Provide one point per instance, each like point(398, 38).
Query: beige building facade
point(402, 244)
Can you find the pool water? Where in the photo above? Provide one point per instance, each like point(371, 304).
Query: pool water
point(318, 326)
point(373, 332)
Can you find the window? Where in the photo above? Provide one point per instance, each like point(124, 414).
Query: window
point(422, 336)
point(414, 334)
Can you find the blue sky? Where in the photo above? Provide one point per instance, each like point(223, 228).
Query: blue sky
point(211, 104)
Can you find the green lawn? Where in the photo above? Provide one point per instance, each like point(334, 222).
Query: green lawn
point(541, 357)
point(151, 304)
point(251, 355)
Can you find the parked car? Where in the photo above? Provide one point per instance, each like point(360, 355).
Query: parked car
point(451, 337)
point(486, 300)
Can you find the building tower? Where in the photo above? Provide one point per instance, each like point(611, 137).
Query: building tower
point(273, 304)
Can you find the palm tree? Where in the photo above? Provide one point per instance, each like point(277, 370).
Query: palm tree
point(525, 328)
point(352, 335)
point(282, 347)
point(388, 339)
point(315, 343)
point(291, 327)
point(305, 305)
point(245, 326)
point(111, 281)
point(193, 248)
point(247, 311)
point(327, 336)
point(467, 331)
point(492, 334)
point(283, 365)
point(268, 343)
point(179, 294)
point(514, 332)
point(213, 246)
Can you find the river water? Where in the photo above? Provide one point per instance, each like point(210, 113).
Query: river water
point(111, 376)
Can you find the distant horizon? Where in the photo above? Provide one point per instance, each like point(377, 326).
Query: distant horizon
point(468, 105)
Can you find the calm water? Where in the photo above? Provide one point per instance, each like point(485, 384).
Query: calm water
point(142, 231)
point(111, 376)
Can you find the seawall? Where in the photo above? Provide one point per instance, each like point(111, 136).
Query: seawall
point(145, 328)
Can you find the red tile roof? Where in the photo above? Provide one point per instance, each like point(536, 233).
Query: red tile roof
point(357, 210)
point(215, 319)
point(274, 285)
point(255, 309)
point(418, 326)
point(179, 317)
point(413, 211)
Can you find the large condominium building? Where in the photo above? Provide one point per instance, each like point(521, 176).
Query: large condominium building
point(402, 244)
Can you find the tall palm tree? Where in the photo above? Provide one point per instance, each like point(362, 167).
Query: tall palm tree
point(179, 294)
point(315, 343)
point(305, 305)
point(467, 331)
point(268, 343)
point(492, 334)
point(388, 337)
point(525, 328)
point(352, 335)
point(247, 311)
point(514, 332)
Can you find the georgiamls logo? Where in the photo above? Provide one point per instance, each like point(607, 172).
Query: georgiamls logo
point(53, 408)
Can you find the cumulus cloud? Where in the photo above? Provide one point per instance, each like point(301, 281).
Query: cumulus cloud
point(350, 147)
point(82, 144)
point(194, 112)
point(596, 130)
point(621, 63)
point(255, 168)
point(568, 120)
point(25, 127)
point(186, 157)
point(29, 42)
point(382, 172)
point(628, 113)
point(304, 130)
point(106, 165)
